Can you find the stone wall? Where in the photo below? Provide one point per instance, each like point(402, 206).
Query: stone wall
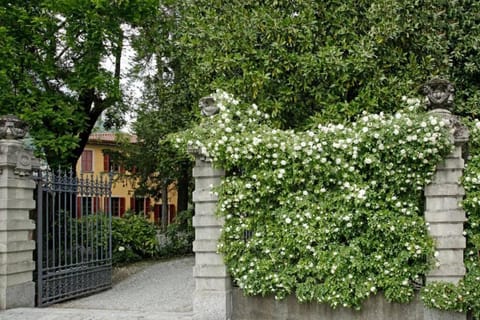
point(215, 299)
point(376, 307)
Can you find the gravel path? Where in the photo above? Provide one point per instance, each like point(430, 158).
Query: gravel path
point(165, 286)
point(160, 291)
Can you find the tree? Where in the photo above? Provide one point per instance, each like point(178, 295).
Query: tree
point(53, 69)
point(165, 108)
point(329, 60)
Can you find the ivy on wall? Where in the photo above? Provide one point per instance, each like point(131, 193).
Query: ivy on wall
point(332, 214)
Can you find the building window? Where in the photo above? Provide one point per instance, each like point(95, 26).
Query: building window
point(87, 205)
point(110, 165)
point(140, 205)
point(87, 161)
point(118, 206)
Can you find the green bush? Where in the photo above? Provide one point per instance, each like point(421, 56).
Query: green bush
point(332, 214)
point(133, 238)
point(329, 60)
point(179, 235)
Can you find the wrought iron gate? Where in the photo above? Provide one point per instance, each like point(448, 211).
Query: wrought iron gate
point(74, 246)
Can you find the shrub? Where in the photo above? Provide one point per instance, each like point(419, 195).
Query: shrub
point(179, 235)
point(133, 238)
point(332, 214)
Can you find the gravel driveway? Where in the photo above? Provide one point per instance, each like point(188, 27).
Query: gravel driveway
point(165, 286)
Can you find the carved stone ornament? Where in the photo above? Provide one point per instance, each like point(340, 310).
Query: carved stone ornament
point(208, 106)
point(459, 130)
point(439, 94)
point(199, 153)
point(12, 128)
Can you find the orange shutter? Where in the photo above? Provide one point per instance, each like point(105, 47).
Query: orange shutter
point(147, 205)
point(122, 207)
point(79, 207)
point(106, 202)
point(86, 161)
point(156, 213)
point(106, 163)
point(172, 213)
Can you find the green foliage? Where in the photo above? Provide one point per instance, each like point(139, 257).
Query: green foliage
point(133, 238)
point(332, 214)
point(94, 229)
point(180, 235)
point(165, 107)
point(53, 72)
point(328, 60)
point(465, 296)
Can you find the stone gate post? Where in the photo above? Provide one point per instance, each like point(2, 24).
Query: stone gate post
point(17, 288)
point(213, 296)
point(443, 212)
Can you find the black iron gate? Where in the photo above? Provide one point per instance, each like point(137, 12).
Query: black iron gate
point(74, 246)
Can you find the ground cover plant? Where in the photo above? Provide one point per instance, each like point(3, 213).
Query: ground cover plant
point(332, 214)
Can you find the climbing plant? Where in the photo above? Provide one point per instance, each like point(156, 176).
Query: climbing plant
point(332, 214)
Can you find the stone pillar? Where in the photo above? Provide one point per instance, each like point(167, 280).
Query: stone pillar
point(213, 294)
point(17, 288)
point(446, 218)
point(443, 212)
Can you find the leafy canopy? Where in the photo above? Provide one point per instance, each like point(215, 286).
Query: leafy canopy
point(53, 68)
point(329, 60)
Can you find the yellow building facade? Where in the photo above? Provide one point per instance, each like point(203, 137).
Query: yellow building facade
point(96, 163)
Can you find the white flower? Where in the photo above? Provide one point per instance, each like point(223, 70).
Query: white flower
point(362, 193)
point(288, 220)
point(121, 248)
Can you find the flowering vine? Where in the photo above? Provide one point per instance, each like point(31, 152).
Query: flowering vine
point(332, 214)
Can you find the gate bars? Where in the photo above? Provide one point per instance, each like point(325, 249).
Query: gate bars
point(74, 243)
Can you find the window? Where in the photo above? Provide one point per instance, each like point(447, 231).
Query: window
point(140, 205)
point(110, 165)
point(87, 205)
point(87, 161)
point(118, 206)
